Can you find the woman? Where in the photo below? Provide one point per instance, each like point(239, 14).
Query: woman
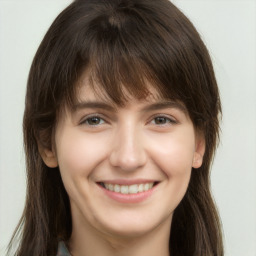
point(120, 128)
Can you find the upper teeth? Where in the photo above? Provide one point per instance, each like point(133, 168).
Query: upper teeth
point(131, 189)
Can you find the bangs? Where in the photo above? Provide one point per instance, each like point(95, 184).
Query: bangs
point(119, 80)
point(125, 50)
point(122, 56)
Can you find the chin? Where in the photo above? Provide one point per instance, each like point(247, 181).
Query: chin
point(134, 226)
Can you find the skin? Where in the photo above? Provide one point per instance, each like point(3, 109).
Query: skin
point(138, 141)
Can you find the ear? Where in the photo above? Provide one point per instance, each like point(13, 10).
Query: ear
point(199, 151)
point(49, 157)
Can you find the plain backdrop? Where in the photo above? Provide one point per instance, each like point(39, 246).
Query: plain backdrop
point(229, 30)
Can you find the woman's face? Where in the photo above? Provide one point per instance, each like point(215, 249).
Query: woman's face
point(127, 168)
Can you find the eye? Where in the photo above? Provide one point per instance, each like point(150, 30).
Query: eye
point(162, 120)
point(93, 121)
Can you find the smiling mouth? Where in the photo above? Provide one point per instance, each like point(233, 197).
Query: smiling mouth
point(128, 189)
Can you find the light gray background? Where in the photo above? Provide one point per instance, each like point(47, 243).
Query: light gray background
point(229, 29)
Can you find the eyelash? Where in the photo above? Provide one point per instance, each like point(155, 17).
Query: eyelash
point(89, 118)
point(168, 120)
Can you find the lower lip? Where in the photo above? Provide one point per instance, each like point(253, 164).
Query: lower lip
point(128, 198)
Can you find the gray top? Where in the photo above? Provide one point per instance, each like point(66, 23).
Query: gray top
point(62, 250)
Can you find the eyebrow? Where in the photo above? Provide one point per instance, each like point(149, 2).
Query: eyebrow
point(113, 108)
point(92, 104)
point(165, 104)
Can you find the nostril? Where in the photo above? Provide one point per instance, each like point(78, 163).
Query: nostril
point(128, 154)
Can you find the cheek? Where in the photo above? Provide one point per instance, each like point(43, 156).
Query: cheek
point(79, 153)
point(174, 157)
point(173, 153)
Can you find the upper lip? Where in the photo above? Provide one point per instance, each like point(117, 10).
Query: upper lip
point(128, 181)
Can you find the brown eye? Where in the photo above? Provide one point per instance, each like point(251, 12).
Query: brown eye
point(162, 120)
point(95, 120)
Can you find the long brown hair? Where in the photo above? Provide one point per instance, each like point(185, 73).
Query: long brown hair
point(122, 44)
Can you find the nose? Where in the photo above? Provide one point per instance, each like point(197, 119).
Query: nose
point(128, 153)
